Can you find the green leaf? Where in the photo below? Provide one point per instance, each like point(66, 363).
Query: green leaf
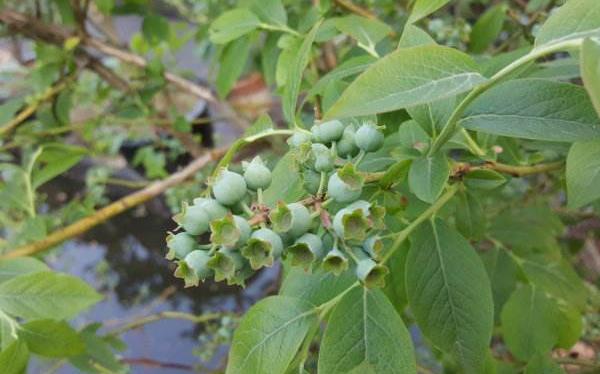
point(502, 272)
point(348, 68)
point(395, 285)
point(13, 360)
point(583, 173)
point(450, 294)
point(408, 77)
point(270, 334)
point(54, 160)
point(470, 217)
point(317, 287)
point(577, 19)
point(295, 74)
point(570, 327)
point(262, 124)
point(487, 28)
point(98, 353)
point(367, 32)
point(427, 177)
point(233, 61)
point(366, 335)
point(18, 266)
point(484, 179)
point(541, 364)
point(557, 278)
point(423, 8)
point(51, 338)
point(590, 70)
point(413, 36)
point(46, 295)
point(529, 322)
point(105, 6)
point(433, 116)
point(270, 11)
point(9, 108)
point(287, 182)
point(155, 29)
point(232, 24)
point(534, 109)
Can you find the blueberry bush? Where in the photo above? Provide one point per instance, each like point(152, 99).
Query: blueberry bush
point(425, 179)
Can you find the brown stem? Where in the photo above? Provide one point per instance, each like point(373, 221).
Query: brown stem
point(166, 315)
point(115, 208)
point(349, 5)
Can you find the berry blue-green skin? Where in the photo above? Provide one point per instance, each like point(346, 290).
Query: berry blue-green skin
point(300, 219)
point(338, 225)
point(370, 246)
point(346, 146)
point(364, 267)
point(245, 230)
point(270, 237)
point(257, 175)
point(197, 261)
point(229, 188)
point(335, 253)
point(340, 191)
point(369, 138)
point(313, 242)
point(311, 180)
point(327, 132)
point(323, 158)
point(181, 244)
point(298, 139)
point(363, 205)
point(194, 220)
point(213, 209)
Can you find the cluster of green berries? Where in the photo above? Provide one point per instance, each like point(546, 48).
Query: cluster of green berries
point(246, 235)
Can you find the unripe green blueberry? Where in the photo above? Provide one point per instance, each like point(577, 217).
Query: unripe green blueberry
point(230, 231)
point(194, 267)
point(298, 139)
point(225, 263)
point(180, 245)
point(370, 273)
point(327, 132)
point(323, 158)
point(193, 219)
point(306, 249)
point(262, 248)
point(363, 205)
point(369, 138)
point(351, 224)
point(346, 146)
point(311, 181)
point(229, 188)
point(293, 219)
point(340, 191)
point(335, 261)
point(213, 209)
point(374, 247)
point(256, 174)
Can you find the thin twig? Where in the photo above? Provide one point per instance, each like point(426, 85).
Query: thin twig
point(349, 5)
point(115, 208)
point(202, 318)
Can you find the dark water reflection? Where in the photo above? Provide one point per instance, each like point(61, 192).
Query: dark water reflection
point(124, 260)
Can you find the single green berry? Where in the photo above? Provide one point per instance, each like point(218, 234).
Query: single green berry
point(229, 188)
point(374, 247)
point(193, 219)
point(346, 146)
point(340, 191)
point(335, 261)
point(213, 209)
point(230, 231)
point(256, 174)
point(293, 219)
point(363, 205)
point(323, 158)
point(298, 139)
point(180, 245)
point(370, 273)
point(194, 268)
point(306, 249)
point(225, 263)
point(311, 180)
point(351, 224)
point(369, 138)
point(262, 248)
point(240, 275)
point(327, 132)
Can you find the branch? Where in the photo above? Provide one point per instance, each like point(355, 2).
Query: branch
point(33, 107)
point(114, 209)
point(166, 315)
point(515, 171)
point(349, 5)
